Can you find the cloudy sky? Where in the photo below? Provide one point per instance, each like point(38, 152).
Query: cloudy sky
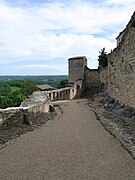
point(38, 36)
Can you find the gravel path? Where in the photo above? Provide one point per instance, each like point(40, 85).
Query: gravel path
point(74, 146)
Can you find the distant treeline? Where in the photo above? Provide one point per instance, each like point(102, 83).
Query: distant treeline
point(48, 79)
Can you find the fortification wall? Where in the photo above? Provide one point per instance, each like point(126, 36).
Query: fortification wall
point(91, 81)
point(121, 69)
point(104, 75)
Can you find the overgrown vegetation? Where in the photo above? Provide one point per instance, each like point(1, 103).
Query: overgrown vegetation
point(102, 58)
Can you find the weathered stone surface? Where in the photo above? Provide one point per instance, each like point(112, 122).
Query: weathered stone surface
point(77, 68)
point(36, 98)
point(10, 117)
point(104, 75)
point(36, 105)
point(51, 108)
point(91, 82)
point(120, 75)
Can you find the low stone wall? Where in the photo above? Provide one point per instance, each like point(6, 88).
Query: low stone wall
point(36, 105)
point(63, 93)
point(11, 117)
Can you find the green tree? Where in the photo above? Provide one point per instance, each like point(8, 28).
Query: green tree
point(63, 83)
point(5, 102)
point(102, 58)
point(17, 97)
point(4, 89)
point(28, 88)
point(10, 98)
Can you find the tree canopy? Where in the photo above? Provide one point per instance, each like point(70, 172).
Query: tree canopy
point(12, 93)
point(102, 58)
point(63, 83)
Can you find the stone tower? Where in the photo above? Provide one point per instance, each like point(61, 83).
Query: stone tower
point(76, 68)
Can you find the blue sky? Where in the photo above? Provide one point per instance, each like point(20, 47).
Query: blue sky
point(38, 36)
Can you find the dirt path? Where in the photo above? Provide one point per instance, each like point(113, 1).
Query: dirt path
point(72, 147)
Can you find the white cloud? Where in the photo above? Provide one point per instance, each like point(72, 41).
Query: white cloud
point(58, 30)
point(31, 69)
point(121, 2)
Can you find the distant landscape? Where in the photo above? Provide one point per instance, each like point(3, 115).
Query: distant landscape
point(15, 89)
point(52, 80)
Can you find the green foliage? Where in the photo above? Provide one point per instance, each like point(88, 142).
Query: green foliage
point(12, 93)
point(63, 83)
point(17, 97)
point(28, 88)
point(18, 81)
point(4, 89)
point(5, 102)
point(102, 58)
point(15, 89)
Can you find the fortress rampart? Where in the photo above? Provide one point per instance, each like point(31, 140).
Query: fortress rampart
point(120, 74)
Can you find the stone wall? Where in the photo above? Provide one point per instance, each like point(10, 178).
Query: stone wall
point(59, 94)
point(76, 68)
point(63, 93)
point(121, 68)
point(91, 81)
point(119, 76)
point(11, 117)
point(104, 75)
point(36, 105)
